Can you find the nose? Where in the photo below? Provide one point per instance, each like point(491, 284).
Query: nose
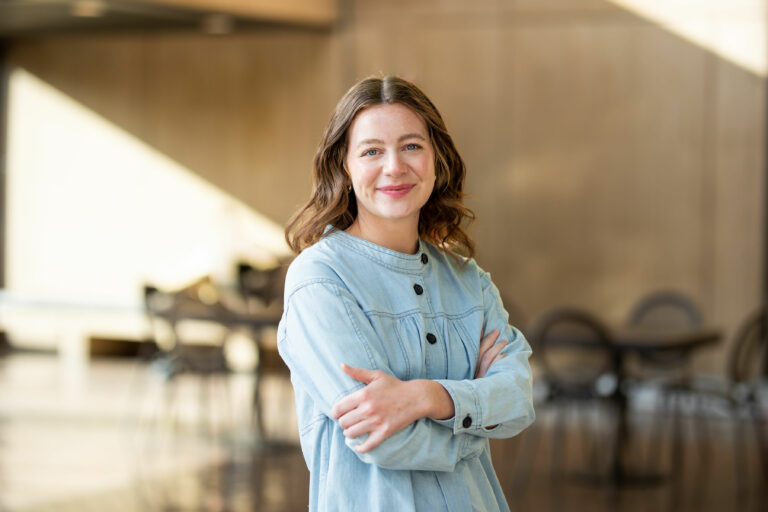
point(394, 164)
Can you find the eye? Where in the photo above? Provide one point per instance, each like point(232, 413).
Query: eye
point(412, 146)
point(370, 152)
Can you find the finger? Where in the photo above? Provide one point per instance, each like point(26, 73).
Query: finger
point(360, 374)
point(495, 351)
point(350, 418)
point(491, 338)
point(346, 404)
point(488, 341)
point(358, 429)
point(489, 357)
point(374, 440)
point(485, 343)
point(492, 353)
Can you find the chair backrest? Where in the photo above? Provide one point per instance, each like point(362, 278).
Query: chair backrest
point(196, 308)
point(665, 309)
point(189, 327)
point(575, 350)
point(748, 357)
point(263, 285)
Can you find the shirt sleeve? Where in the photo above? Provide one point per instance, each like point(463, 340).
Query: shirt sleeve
point(500, 404)
point(323, 327)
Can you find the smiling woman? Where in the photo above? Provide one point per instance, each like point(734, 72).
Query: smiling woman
point(392, 167)
point(333, 203)
point(402, 359)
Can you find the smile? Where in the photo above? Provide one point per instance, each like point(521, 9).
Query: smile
point(396, 190)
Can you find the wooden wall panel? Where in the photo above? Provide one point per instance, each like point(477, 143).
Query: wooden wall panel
point(738, 208)
point(243, 112)
point(456, 68)
point(603, 160)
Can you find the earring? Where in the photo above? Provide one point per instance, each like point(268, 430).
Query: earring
point(349, 188)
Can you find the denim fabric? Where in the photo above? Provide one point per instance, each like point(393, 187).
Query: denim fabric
point(349, 300)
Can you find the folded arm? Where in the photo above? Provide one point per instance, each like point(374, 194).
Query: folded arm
point(500, 403)
point(315, 341)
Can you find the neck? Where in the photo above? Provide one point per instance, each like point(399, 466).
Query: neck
point(401, 236)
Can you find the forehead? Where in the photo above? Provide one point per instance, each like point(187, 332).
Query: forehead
point(386, 121)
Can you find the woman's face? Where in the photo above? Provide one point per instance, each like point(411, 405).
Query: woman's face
point(391, 162)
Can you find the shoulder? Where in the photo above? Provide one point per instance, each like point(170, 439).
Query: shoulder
point(461, 267)
point(315, 264)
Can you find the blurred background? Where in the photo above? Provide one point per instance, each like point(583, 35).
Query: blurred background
point(152, 150)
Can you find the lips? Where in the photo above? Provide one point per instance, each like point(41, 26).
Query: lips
point(396, 190)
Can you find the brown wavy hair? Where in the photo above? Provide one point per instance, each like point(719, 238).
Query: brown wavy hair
point(440, 219)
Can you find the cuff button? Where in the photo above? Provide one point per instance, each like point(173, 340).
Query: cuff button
point(467, 421)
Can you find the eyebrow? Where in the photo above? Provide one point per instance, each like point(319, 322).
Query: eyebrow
point(399, 139)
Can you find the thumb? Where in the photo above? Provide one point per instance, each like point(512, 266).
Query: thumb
point(360, 374)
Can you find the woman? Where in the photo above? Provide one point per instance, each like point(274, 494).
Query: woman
point(397, 387)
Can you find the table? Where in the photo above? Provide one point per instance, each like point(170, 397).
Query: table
point(654, 342)
point(177, 307)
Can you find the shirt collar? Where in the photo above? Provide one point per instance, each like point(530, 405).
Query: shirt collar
point(410, 263)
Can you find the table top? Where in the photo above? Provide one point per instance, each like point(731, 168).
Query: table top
point(656, 340)
point(626, 339)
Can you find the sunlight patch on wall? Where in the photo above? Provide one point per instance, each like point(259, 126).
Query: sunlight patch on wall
point(93, 212)
point(734, 30)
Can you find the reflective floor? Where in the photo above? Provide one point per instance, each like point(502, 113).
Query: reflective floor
point(113, 435)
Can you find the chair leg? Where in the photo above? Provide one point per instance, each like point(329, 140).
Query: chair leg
point(589, 442)
point(528, 445)
point(702, 450)
point(558, 440)
point(653, 452)
point(759, 423)
point(739, 457)
point(677, 454)
point(258, 412)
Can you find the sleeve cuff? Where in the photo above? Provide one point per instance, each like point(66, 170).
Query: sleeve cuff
point(468, 415)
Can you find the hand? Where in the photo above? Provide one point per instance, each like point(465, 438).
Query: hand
point(489, 352)
point(383, 407)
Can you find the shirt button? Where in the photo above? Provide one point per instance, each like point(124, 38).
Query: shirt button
point(418, 289)
point(467, 422)
point(424, 258)
point(431, 338)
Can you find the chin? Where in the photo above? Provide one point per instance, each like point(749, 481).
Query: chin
point(398, 214)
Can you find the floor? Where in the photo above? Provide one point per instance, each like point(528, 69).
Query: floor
point(112, 435)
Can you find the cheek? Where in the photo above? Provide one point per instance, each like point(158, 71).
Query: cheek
point(362, 176)
point(429, 169)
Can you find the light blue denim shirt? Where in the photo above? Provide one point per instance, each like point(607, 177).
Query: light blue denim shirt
point(414, 316)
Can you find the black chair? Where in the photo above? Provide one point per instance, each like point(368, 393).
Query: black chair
point(741, 393)
point(664, 372)
point(578, 361)
point(189, 328)
point(262, 292)
point(664, 310)
point(260, 288)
